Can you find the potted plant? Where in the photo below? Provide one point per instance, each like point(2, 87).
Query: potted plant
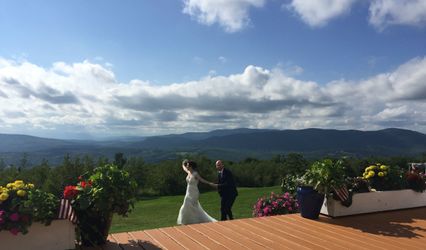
point(319, 180)
point(109, 190)
point(381, 188)
point(28, 219)
point(21, 204)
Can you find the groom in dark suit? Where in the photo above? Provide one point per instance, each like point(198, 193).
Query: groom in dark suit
point(227, 190)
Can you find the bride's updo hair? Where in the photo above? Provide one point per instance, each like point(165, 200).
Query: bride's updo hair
point(192, 164)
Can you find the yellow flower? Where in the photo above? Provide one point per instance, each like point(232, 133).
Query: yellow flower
point(9, 185)
point(372, 173)
point(4, 196)
point(383, 167)
point(21, 193)
point(381, 174)
point(19, 184)
point(30, 185)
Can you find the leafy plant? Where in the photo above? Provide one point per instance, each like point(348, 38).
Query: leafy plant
point(275, 204)
point(21, 204)
point(108, 190)
point(325, 175)
point(290, 183)
point(382, 177)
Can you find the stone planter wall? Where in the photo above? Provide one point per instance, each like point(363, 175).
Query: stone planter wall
point(375, 202)
point(59, 235)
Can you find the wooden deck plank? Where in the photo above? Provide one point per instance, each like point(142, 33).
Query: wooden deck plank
point(166, 241)
point(286, 240)
point(242, 237)
point(222, 239)
point(200, 238)
point(374, 242)
point(181, 238)
point(315, 235)
point(404, 229)
point(145, 241)
point(295, 234)
point(252, 234)
point(400, 227)
point(125, 241)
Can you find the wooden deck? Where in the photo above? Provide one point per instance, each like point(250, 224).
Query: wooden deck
point(403, 229)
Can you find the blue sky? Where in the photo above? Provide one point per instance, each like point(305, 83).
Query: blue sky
point(79, 69)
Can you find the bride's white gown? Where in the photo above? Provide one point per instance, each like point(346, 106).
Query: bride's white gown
point(191, 211)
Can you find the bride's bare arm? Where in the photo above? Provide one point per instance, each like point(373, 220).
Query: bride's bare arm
point(205, 181)
point(184, 169)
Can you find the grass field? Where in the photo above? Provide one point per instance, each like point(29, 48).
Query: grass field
point(163, 211)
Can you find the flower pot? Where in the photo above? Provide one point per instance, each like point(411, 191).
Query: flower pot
point(375, 202)
point(94, 228)
point(60, 234)
point(310, 202)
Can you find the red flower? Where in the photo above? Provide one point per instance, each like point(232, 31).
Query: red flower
point(84, 184)
point(70, 192)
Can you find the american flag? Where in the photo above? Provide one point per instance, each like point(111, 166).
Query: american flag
point(66, 211)
point(342, 193)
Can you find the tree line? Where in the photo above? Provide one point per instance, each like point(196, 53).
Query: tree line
point(167, 178)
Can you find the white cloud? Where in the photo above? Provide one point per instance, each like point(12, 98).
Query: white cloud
point(86, 97)
point(319, 12)
point(222, 59)
point(397, 12)
point(232, 15)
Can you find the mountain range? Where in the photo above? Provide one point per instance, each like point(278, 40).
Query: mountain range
point(232, 144)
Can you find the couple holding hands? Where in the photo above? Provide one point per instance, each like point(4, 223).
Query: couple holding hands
point(191, 211)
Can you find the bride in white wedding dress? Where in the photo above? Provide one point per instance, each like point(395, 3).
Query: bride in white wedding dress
point(191, 211)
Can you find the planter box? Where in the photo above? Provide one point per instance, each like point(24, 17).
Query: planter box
point(58, 235)
point(375, 202)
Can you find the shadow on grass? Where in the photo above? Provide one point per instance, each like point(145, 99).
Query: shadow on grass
point(398, 224)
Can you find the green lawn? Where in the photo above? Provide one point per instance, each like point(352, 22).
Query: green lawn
point(163, 211)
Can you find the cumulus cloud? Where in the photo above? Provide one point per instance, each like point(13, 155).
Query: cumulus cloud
point(85, 97)
point(319, 12)
point(384, 13)
point(232, 15)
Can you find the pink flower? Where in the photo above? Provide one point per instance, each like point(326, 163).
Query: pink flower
point(14, 217)
point(2, 212)
point(275, 204)
point(14, 231)
point(290, 209)
point(266, 210)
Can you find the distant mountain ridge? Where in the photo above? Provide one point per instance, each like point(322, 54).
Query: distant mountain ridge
point(232, 144)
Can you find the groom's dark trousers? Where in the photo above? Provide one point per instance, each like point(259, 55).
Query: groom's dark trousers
point(228, 193)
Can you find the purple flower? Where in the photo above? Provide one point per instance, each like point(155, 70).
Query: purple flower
point(14, 217)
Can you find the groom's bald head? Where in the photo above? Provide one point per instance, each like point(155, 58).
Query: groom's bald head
point(219, 165)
